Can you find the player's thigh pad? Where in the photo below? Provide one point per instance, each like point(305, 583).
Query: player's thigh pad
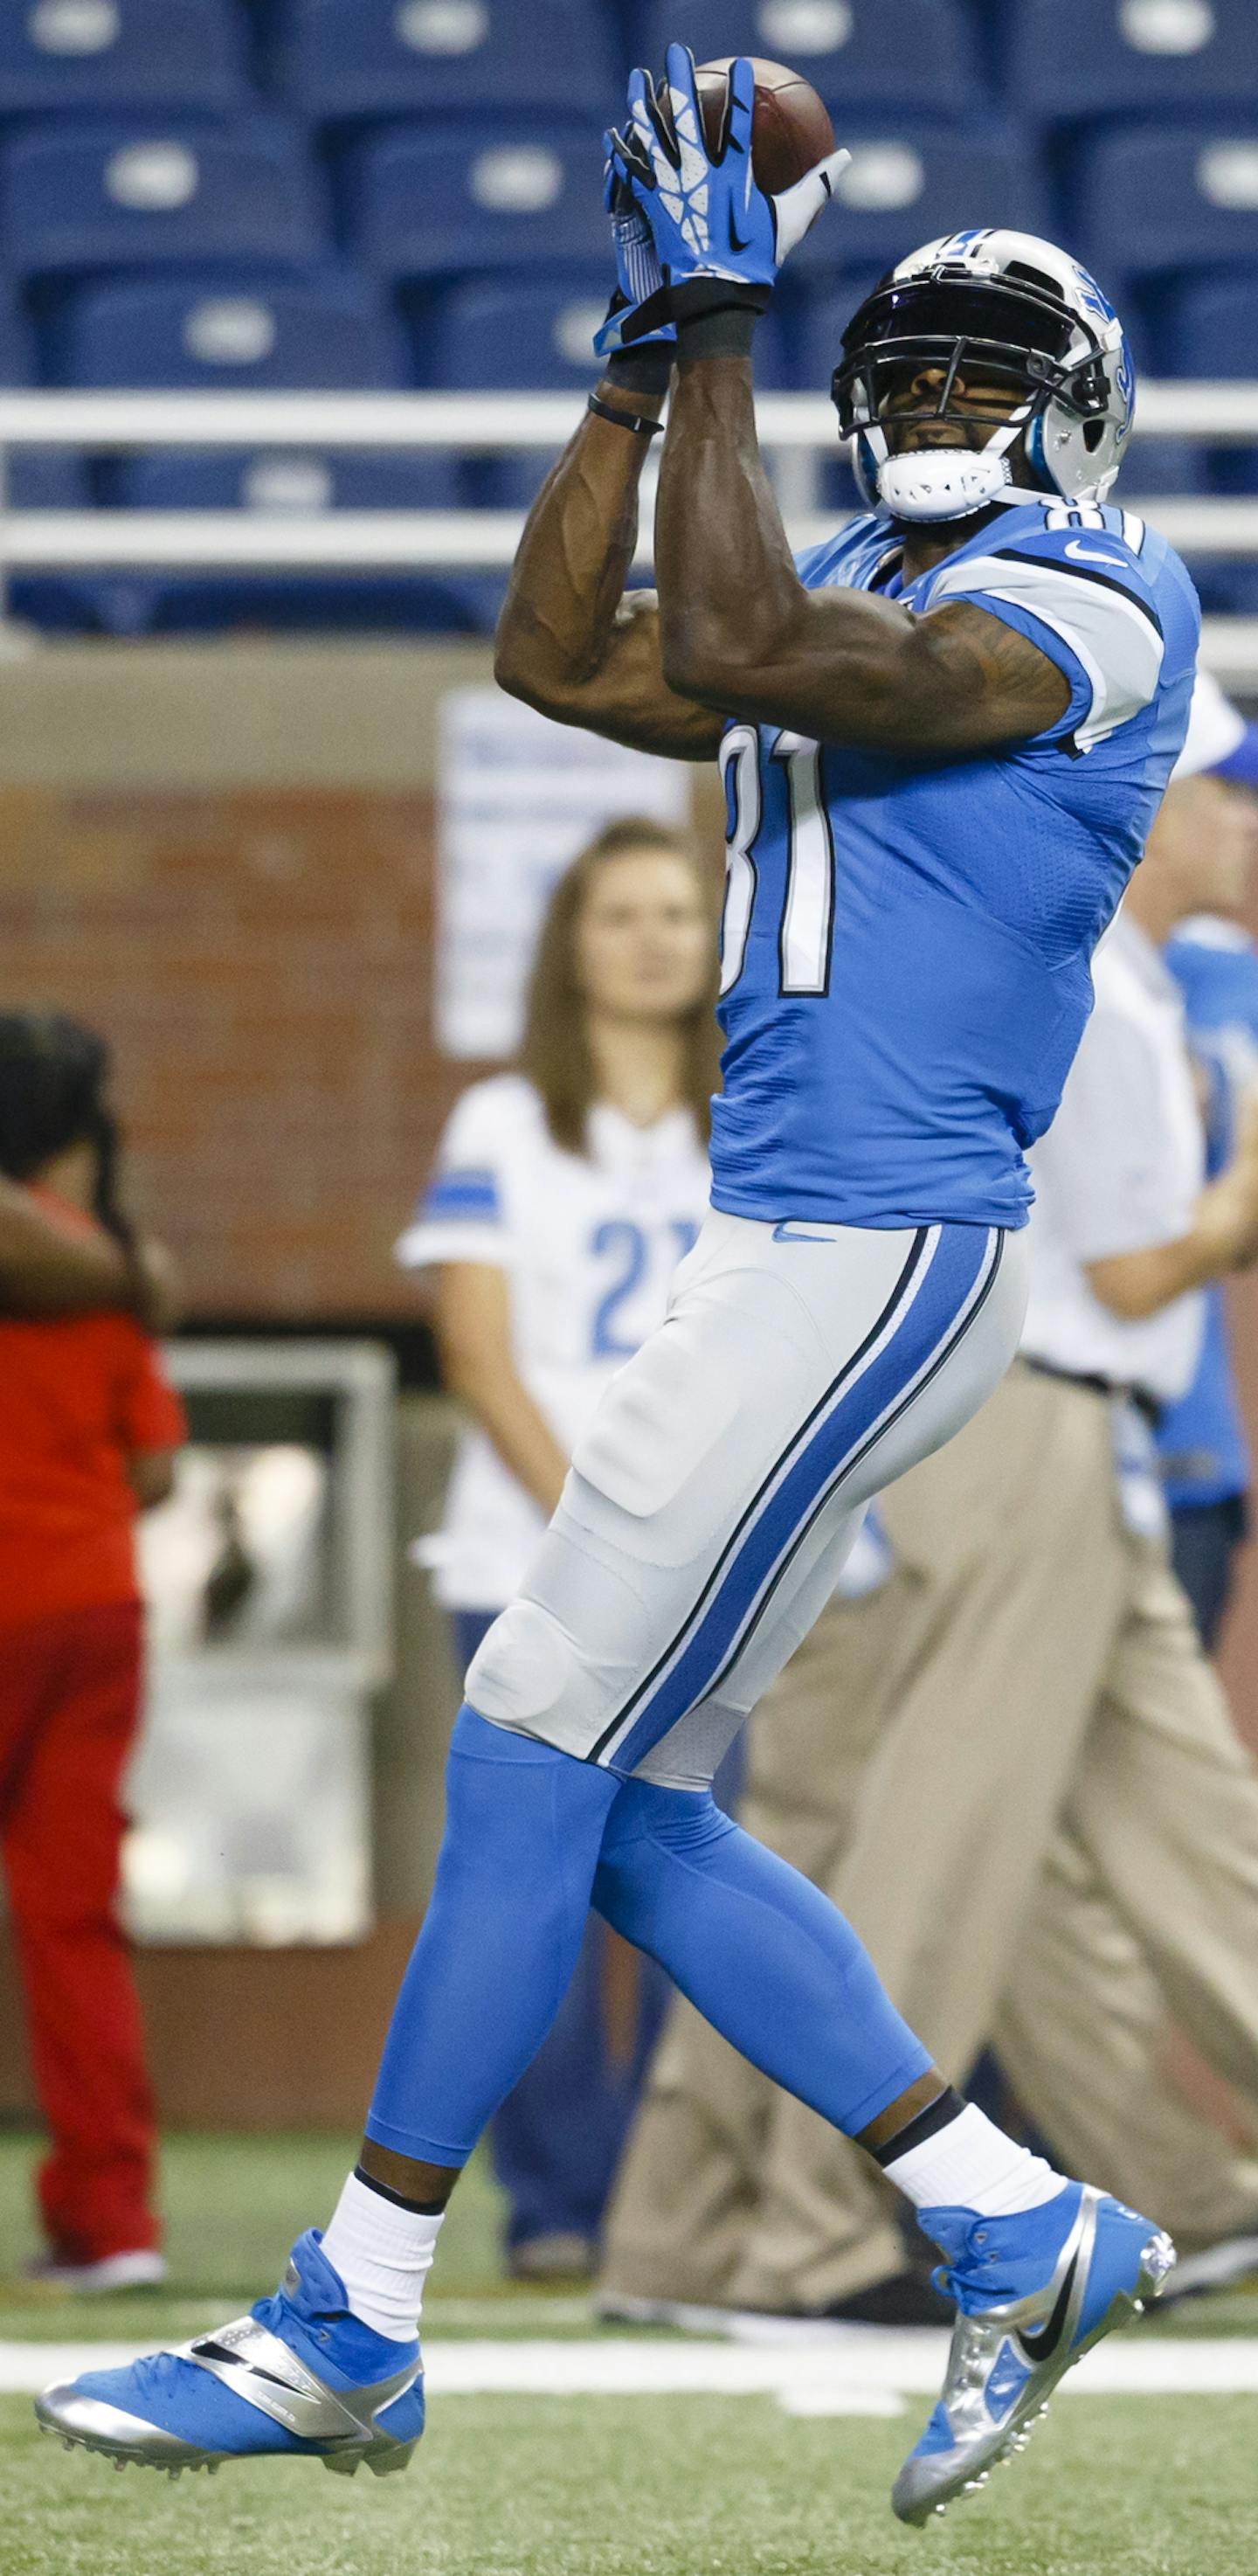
point(682, 1434)
point(719, 1481)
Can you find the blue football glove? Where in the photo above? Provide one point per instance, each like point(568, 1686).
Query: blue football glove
point(710, 223)
point(628, 327)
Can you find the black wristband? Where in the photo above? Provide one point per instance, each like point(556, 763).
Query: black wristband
point(716, 316)
point(645, 370)
point(637, 421)
point(727, 334)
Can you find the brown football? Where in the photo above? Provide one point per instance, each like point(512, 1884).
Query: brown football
point(790, 126)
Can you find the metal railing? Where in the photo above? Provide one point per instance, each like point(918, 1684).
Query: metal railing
point(797, 432)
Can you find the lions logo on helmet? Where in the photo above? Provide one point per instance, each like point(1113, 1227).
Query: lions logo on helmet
point(1015, 311)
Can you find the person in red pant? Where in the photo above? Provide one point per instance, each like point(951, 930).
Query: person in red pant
point(88, 1431)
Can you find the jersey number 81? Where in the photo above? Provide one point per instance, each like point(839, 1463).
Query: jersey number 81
point(806, 929)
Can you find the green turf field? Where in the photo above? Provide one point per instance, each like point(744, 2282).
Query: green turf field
point(586, 2485)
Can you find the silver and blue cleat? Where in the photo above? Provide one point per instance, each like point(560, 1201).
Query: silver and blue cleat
point(1034, 2293)
point(298, 2376)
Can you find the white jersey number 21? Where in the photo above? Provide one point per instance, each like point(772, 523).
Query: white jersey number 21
point(807, 923)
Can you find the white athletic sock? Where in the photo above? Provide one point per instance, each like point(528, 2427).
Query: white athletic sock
point(383, 2254)
point(971, 2164)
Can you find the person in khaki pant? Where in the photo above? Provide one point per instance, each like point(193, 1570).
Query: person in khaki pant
point(1017, 1737)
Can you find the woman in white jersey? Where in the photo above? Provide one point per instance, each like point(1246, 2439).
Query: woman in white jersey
point(564, 1196)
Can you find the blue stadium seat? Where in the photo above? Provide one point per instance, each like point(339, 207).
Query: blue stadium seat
point(538, 338)
point(1167, 196)
point(113, 195)
point(17, 362)
point(70, 57)
point(900, 54)
point(427, 205)
point(287, 483)
point(1161, 465)
point(227, 334)
point(1085, 58)
point(49, 478)
point(1210, 327)
point(819, 320)
point(451, 57)
point(909, 181)
point(1226, 589)
point(533, 337)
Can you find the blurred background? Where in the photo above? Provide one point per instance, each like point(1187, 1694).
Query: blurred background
point(296, 299)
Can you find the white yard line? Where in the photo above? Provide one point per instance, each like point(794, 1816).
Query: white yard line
point(861, 2371)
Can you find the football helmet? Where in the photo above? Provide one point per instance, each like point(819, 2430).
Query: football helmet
point(1018, 312)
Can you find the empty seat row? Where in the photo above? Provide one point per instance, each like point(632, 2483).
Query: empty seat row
point(420, 203)
point(1051, 59)
point(335, 331)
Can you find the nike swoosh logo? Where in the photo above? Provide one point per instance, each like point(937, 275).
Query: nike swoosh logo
point(1042, 2343)
point(1084, 554)
point(784, 1233)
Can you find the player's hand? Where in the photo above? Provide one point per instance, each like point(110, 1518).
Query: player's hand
point(708, 218)
point(629, 324)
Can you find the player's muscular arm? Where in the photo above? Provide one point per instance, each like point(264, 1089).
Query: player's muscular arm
point(739, 632)
point(570, 640)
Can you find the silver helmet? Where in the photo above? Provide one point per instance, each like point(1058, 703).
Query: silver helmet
point(1018, 311)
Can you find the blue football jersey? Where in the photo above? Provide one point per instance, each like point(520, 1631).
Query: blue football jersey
point(1202, 1440)
point(906, 943)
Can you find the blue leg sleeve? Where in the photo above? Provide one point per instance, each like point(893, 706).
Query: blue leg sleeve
point(499, 1941)
point(761, 1953)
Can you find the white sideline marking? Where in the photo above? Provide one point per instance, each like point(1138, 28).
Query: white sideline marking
point(857, 2370)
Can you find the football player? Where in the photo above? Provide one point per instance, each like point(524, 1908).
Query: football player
point(943, 736)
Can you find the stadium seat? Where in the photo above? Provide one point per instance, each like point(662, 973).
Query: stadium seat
point(1161, 465)
point(17, 365)
point(226, 334)
point(1226, 589)
point(1210, 327)
point(84, 196)
point(538, 339)
point(451, 57)
point(908, 181)
point(48, 478)
point(900, 54)
point(426, 205)
point(1167, 196)
point(70, 57)
point(287, 483)
point(1086, 58)
point(819, 320)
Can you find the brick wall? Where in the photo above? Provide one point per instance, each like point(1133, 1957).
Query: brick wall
point(261, 962)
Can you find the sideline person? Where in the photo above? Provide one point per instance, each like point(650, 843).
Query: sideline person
point(1019, 1735)
point(89, 1427)
point(564, 1196)
point(1202, 1440)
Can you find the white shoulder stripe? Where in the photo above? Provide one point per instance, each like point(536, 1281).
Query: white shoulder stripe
point(1112, 636)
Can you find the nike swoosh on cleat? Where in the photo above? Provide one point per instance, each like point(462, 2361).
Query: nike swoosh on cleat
point(1042, 2342)
point(211, 2351)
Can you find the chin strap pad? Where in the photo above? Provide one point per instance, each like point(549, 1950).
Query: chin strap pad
point(943, 483)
